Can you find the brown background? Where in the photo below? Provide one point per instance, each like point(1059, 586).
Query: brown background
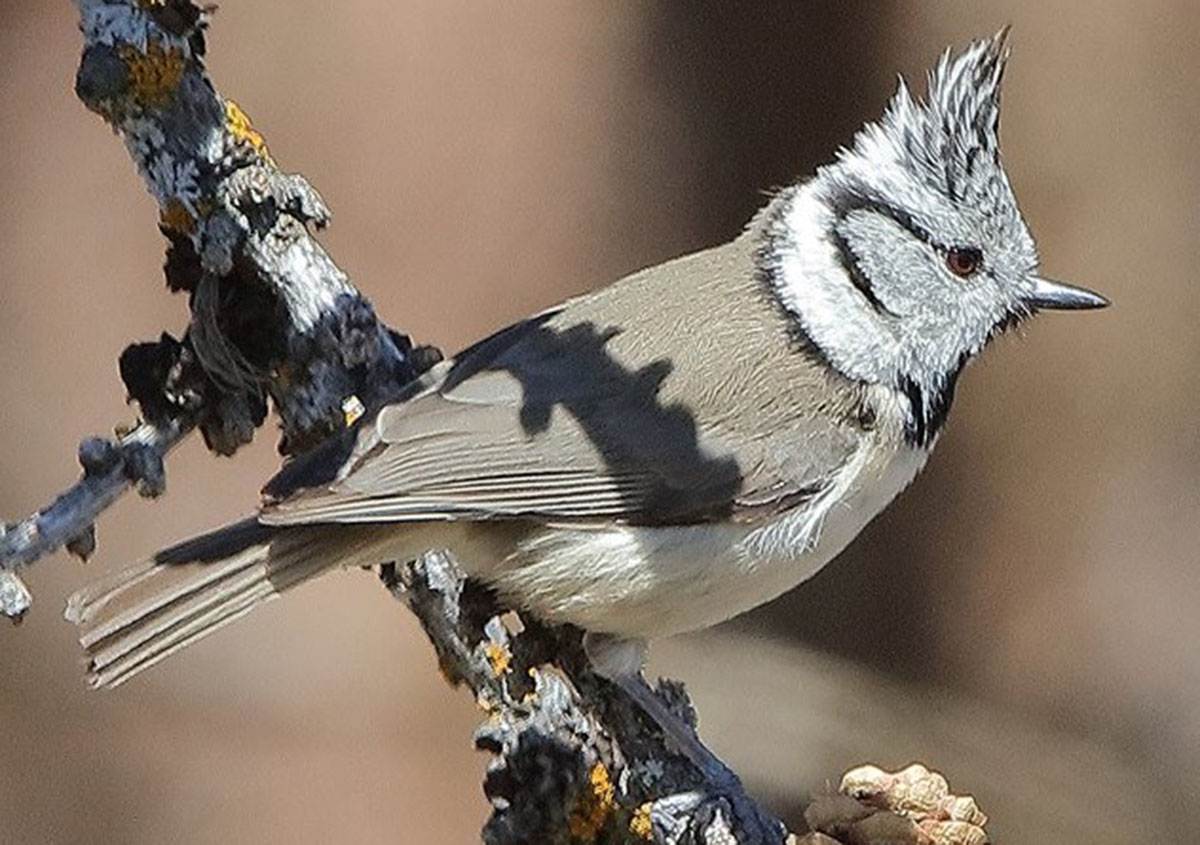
point(1027, 617)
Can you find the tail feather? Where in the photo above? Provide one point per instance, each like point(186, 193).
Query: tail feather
point(138, 639)
point(140, 592)
point(114, 668)
point(135, 618)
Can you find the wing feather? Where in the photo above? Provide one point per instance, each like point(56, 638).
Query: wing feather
point(572, 415)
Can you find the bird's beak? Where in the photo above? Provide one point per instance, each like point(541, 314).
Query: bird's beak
point(1048, 293)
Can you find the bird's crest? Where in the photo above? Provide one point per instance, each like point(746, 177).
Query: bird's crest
point(950, 138)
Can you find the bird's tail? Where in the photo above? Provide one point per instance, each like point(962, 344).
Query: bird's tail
point(139, 616)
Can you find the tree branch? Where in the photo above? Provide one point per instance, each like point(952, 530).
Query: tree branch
point(273, 320)
point(272, 317)
point(109, 468)
point(575, 757)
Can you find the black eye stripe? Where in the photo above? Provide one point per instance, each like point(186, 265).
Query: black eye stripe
point(901, 218)
point(858, 277)
point(846, 203)
point(963, 261)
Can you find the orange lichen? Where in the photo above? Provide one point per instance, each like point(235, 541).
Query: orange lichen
point(352, 410)
point(595, 805)
point(155, 74)
point(499, 657)
point(176, 218)
point(640, 825)
point(243, 131)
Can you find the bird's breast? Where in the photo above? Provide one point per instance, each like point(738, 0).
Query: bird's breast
point(652, 581)
point(820, 529)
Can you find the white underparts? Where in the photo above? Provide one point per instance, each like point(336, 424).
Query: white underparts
point(647, 582)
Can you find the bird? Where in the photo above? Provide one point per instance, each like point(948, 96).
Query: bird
point(678, 447)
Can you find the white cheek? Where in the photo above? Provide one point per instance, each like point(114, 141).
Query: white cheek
point(813, 286)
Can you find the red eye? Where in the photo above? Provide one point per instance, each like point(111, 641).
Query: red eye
point(964, 261)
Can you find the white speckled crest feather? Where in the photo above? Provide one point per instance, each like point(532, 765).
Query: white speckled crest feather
point(943, 139)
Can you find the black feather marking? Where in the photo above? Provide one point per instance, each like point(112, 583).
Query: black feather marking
point(774, 241)
point(847, 200)
point(929, 412)
point(219, 544)
point(858, 277)
point(915, 430)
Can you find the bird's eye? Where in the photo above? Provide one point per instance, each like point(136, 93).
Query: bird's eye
point(964, 261)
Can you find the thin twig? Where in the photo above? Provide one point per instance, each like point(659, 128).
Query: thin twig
point(108, 473)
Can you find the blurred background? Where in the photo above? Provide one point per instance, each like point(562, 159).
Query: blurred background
point(1025, 618)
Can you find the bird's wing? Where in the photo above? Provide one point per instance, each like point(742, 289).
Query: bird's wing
point(563, 417)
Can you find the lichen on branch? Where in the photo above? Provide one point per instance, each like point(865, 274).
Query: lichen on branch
point(272, 315)
point(274, 322)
